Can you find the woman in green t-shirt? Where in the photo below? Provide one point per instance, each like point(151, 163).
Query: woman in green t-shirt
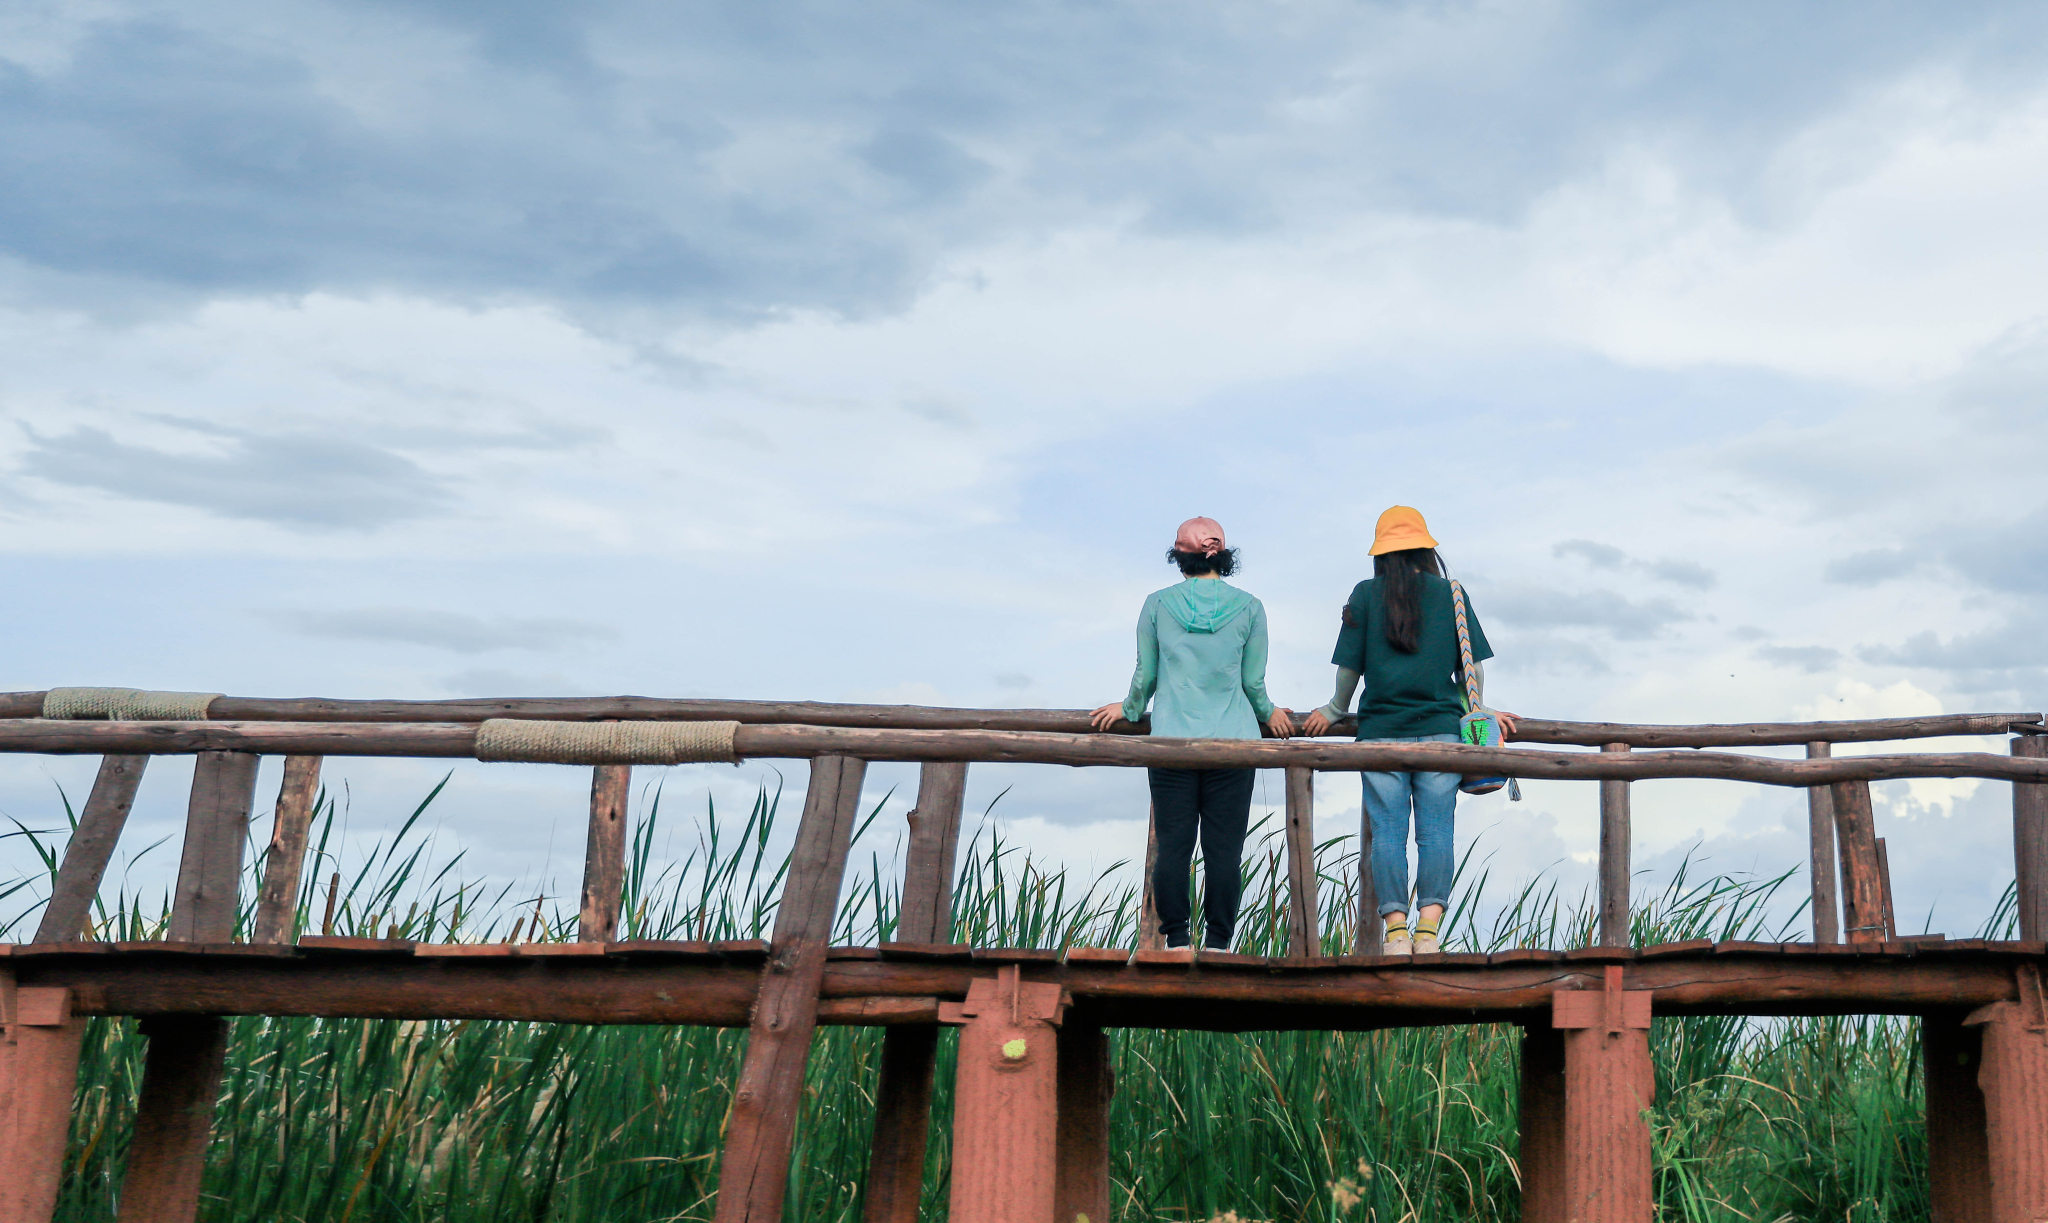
point(1400, 636)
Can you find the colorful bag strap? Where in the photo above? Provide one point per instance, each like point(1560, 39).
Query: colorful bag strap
point(1465, 647)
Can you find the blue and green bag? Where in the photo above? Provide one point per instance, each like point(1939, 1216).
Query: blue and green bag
point(1479, 727)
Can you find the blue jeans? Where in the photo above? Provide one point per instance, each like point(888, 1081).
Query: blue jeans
point(1433, 797)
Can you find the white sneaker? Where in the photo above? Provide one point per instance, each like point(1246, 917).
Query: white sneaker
point(1426, 944)
point(1398, 944)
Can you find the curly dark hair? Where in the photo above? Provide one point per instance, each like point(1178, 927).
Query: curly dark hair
point(1223, 564)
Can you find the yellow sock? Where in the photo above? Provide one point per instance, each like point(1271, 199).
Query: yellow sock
point(1425, 926)
point(1397, 925)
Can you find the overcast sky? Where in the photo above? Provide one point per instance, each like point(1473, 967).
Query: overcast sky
point(873, 353)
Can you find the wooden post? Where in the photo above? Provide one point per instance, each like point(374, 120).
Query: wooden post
point(1086, 1082)
point(39, 1043)
point(1820, 854)
point(1149, 936)
point(90, 849)
point(2030, 843)
point(1608, 1084)
point(277, 904)
point(1862, 886)
point(1542, 1154)
point(1005, 1100)
point(1884, 882)
point(1958, 1162)
point(1371, 931)
point(1304, 924)
point(181, 1074)
point(1614, 858)
point(753, 1171)
point(604, 854)
point(2014, 1080)
point(903, 1097)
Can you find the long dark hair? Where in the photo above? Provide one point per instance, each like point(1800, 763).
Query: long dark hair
point(1399, 578)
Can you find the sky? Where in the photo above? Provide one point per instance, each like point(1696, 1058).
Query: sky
point(872, 353)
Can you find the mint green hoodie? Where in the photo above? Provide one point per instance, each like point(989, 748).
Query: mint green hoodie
point(1202, 648)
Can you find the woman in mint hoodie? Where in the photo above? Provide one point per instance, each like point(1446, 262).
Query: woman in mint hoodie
point(1202, 651)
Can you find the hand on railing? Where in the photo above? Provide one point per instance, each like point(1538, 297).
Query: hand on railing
point(1106, 716)
point(1281, 723)
point(1507, 721)
point(1318, 724)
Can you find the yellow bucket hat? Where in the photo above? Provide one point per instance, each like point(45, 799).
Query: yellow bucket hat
point(1400, 529)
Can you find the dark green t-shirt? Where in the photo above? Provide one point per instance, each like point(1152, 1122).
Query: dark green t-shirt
point(1407, 695)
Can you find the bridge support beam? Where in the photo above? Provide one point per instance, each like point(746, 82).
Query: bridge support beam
point(1081, 1194)
point(2014, 1080)
point(1542, 1155)
point(39, 1043)
point(1608, 1082)
point(1006, 1100)
point(1958, 1167)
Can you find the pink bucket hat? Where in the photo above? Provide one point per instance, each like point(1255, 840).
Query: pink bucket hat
point(1203, 535)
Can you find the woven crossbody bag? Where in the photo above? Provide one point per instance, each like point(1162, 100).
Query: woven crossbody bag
point(1479, 727)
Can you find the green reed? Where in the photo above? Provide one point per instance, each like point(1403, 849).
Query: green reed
point(338, 1120)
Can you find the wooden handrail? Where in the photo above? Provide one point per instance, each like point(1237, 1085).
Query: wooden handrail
point(1057, 721)
point(444, 740)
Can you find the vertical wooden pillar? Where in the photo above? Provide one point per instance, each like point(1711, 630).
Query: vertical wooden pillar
point(1081, 1189)
point(2014, 1080)
point(1958, 1162)
point(1304, 926)
point(181, 1074)
point(1862, 882)
point(903, 1097)
point(1005, 1101)
point(1608, 1084)
point(1615, 853)
point(604, 854)
point(277, 903)
point(1371, 931)
point(1542, 1152)
point(90, 849)
point(39, 1043)
point(753, 1171)
point(1820, 854)
point(2030, 843)
point(1149, 936)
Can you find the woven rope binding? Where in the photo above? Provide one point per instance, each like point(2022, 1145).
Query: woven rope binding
point(539, 742)
point(127, 704)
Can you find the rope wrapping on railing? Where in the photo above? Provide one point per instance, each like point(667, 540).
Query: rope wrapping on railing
point(539, 742)
point(127, 704)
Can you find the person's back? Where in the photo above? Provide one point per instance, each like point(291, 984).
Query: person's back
point(1407, 694)
point(1205, 629)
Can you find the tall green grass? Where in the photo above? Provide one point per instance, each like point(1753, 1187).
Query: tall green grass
point(338, 1120)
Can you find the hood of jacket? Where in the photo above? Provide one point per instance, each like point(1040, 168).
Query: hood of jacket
point(1204, 605)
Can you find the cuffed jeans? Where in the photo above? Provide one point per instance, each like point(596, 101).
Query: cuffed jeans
point(1433, 798)
point(1218, 804)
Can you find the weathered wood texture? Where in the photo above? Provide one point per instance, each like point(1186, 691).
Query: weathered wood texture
point(1086, 1083)
point(927, 915)
point(604, 854)
point(2030, 842)
point(173, 1119)
point(90, 849)
point(216, 829)
point(1884, 889)
point(1075, 721)
point(1541, 1155)
point(284, 865)
point(754, 1168)
point(1608, 1085)
point(1150, 937)
point(1304, 925)
point(2014, 1080)
point(1615, 858)
point(39, 1044)
point(1820, 856)
point(1370, 931)
point(1016, 747)
point(1862, 884)
point(1958, 1161)
point(1006, 1101)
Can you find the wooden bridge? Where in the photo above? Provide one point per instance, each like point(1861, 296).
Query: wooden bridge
point(1030, 1112)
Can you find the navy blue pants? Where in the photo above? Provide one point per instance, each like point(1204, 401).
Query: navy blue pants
point(1215, 804)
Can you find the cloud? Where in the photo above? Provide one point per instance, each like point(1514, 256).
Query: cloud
point(1870, 568)
point(303, 480)
point(440, 630)
point(1013, 679)
point(2014, 644)
point(1615, 615)
point(1606, 556)
point(1808, 658)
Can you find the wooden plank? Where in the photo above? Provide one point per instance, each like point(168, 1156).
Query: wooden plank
point(1370, 935)
point(1862, 886)
point(2030, 841)
point(1081, 1188)
point(216, 829)
point(1150, 937)
point(173, 1119)
point(1820, 855)
point(90, 849)
point(1005, 1150)
point(1615, 858)
point(754, 1168)
point(1884, 879)
point(927, 915)
point(284, 865)
point(1541, 1156)
point(1958, 1162)
point(903, 1105)
point(604, 854)
point(1304, 926)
